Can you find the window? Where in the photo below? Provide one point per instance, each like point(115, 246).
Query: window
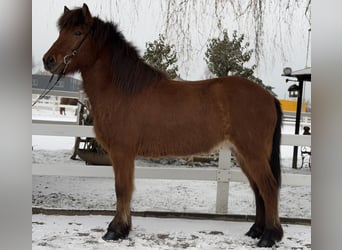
point(60, 84)
point(35, 83)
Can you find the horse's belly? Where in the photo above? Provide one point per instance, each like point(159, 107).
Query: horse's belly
point(180, 142)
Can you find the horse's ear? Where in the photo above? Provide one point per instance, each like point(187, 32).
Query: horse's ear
point(66, 9)
point(86, 13)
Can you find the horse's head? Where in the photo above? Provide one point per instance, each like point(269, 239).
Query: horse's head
point(73, 49)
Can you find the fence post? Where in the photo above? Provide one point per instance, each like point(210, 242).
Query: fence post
point(222, 191)
point(79, 106)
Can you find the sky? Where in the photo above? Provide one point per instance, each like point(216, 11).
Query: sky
point(141, 21)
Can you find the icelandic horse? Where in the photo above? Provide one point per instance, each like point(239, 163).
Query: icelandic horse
point(66, 101)
point(140, 111)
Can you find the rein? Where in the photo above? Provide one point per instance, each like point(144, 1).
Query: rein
point(65, 63)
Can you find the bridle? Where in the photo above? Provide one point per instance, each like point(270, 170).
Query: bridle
point(66, 60)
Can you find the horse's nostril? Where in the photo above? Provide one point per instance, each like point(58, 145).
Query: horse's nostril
point(51, 59)
point(49, 62)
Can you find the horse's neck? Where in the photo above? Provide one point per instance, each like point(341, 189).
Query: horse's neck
point(97, 83)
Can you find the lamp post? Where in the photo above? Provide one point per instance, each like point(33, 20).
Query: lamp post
point(301, 75)
point(298, 112)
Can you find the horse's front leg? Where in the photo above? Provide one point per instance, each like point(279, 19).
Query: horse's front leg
point(124, 184)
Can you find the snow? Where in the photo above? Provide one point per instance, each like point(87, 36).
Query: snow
point(160, 195)
point(84, 232)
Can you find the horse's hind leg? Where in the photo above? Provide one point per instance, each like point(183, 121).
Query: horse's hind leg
point(121, 225)
point(268, 190)
point(258, 227)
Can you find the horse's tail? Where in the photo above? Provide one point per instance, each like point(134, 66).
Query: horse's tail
point(275, 155)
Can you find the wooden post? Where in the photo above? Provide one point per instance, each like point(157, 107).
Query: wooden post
point(223, 180)
point(80, 111)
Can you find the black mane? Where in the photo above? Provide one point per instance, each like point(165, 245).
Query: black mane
point(129, 70)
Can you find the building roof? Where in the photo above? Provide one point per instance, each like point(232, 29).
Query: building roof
point(67, 86)
point(303, 74)
point(305, 71)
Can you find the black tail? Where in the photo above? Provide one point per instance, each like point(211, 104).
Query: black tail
point(275, 155)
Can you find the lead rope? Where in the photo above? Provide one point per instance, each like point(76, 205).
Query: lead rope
point(46, 90)
point(66, 61)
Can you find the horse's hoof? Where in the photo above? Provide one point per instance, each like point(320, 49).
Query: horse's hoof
point(111, 236)
point(266, 240)
point(266, 243)
point(254, 232)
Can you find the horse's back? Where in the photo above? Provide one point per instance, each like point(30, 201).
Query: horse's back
point(181, 118)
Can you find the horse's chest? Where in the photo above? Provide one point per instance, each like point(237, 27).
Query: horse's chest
point(110, 130)
point(104, 130)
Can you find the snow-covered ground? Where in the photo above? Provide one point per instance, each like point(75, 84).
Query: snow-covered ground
point(83, 232)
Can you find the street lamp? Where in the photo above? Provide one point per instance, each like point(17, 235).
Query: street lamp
point(296, 90)
point(293, 90)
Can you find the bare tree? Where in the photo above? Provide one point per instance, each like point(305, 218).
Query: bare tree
point(188, 24)
point(183, 16)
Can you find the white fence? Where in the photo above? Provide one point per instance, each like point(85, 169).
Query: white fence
point(223, 175)
point(53, 104)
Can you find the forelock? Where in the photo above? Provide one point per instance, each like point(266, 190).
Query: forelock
point(71, 19)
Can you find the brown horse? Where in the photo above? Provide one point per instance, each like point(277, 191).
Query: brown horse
point(139, 111)
point(67, 101)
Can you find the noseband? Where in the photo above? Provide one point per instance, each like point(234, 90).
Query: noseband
point(65, 63)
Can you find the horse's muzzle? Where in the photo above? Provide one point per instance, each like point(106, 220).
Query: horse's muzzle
point(49, 62)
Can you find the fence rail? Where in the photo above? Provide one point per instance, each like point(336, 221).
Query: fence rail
point(64, 129)
point(223, 175)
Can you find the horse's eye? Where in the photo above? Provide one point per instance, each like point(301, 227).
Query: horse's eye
point(78, 33)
